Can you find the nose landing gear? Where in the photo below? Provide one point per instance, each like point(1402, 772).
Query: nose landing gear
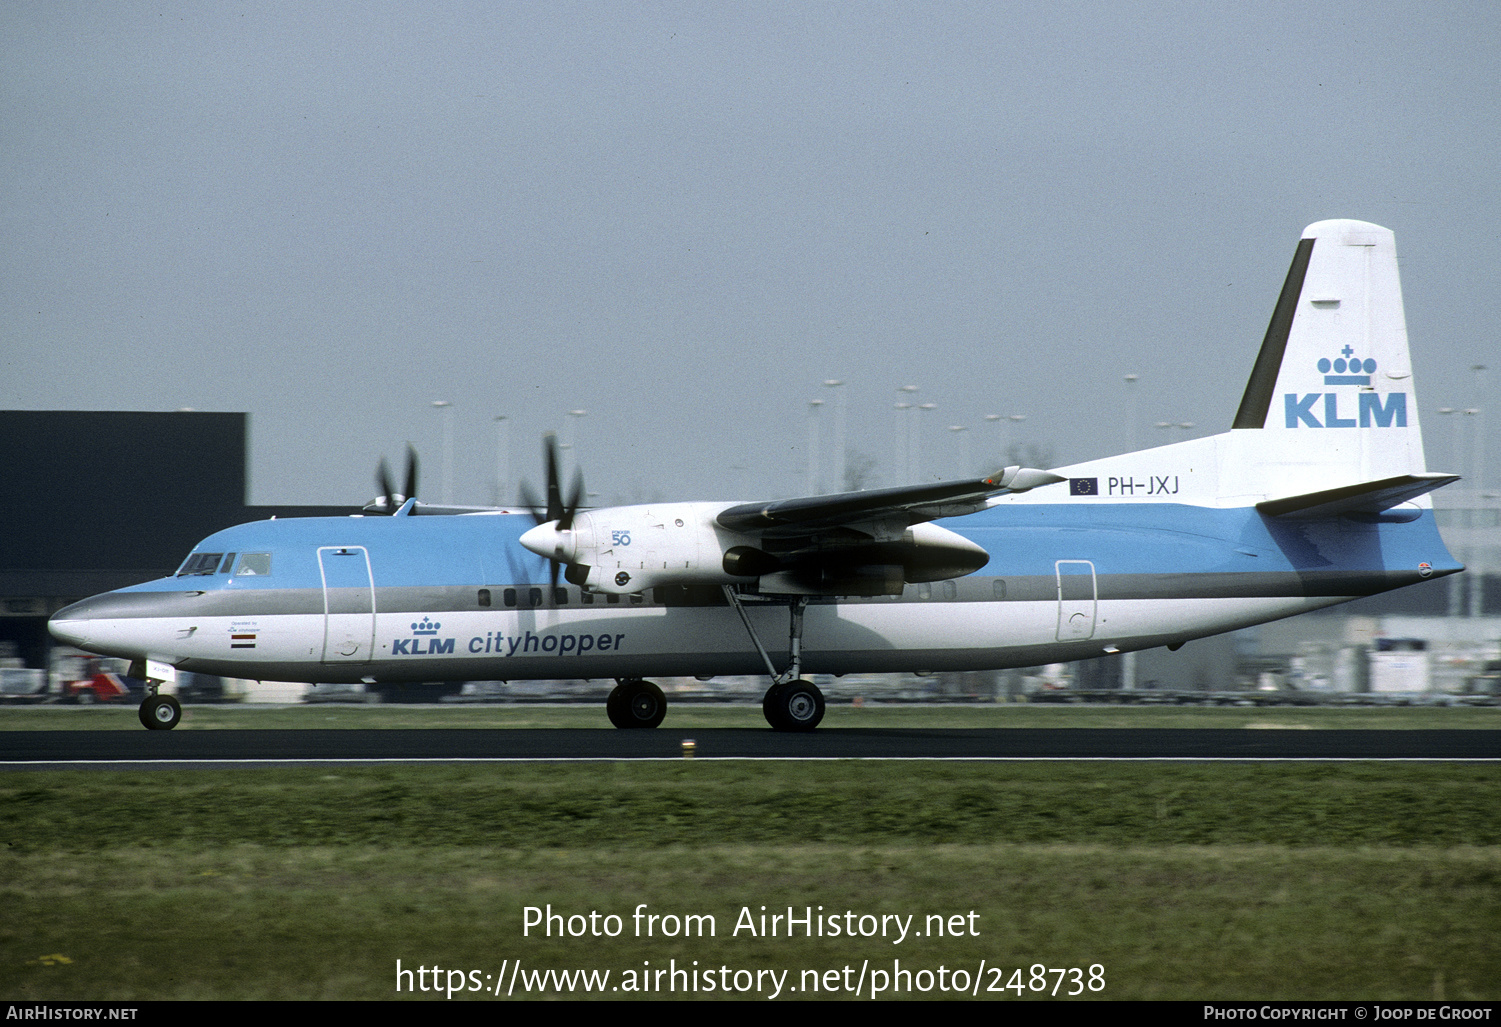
point(160, 712)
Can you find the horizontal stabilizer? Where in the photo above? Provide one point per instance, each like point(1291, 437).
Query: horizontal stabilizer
point(1367, 497)
point(912, 503)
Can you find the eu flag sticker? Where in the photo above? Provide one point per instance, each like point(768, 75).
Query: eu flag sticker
point(1084, 486)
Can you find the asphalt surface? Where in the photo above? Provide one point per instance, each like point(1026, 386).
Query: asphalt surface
point(125, 748)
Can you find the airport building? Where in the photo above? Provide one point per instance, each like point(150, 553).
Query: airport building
point(100, 500)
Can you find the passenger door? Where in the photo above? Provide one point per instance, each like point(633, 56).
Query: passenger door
point(348, 604)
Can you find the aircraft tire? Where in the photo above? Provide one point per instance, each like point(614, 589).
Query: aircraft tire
point(160, 713)
point(769, 705)
point(636, 704)
point(794, 706)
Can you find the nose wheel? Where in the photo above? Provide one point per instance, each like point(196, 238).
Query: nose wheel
point(160, 712)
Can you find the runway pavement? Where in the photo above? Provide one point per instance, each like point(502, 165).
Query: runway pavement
point(228, 747)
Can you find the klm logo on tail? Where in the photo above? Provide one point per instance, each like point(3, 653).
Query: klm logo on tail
point(1372, 409)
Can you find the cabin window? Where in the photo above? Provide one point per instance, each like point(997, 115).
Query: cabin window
point(611, 597)
point(998, 587)
point(509, 595)
point(559, 596)
point(925, 591)
point(587, 598)
point(200, 563)
point(484, 597)
point(534, 597)
point(636, 598)
point(254, 564)
point(950, 590)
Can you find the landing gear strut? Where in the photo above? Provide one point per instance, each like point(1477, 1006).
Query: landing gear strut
point(790, 704)
point(636, 703)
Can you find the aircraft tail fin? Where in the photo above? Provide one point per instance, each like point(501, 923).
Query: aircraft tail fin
point(1332, 385)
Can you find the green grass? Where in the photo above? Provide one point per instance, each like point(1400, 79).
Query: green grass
point(686, 716)
point(1300, 881)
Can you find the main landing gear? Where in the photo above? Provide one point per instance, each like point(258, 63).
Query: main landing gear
point(793, 706)
point(791, 703)
point(636, 703)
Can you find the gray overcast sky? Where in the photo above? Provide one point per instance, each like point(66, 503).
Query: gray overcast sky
point(684, 217)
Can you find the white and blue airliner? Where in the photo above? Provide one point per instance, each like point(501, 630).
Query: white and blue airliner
point(1317, 495)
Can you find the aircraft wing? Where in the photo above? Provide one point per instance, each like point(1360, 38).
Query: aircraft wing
point(1366, 497)
point(911, 504)
point(413, 508)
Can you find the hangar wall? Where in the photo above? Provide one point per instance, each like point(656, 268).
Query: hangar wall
point(97, 500)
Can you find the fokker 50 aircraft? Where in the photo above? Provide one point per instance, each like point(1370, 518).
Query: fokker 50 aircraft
point(1318, 494)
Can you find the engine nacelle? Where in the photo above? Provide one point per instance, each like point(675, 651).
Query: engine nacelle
point(633, 548)
point(625, 549)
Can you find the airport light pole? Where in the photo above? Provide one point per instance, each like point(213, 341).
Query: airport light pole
point(1478, 371)
point(1456, 446)
point(447, 410)
point(839, 469)
point(813, 405)
point(903, 442)
point(576, 418)
point(909, 406)
point(1454, 443)
point(1016, 420)
point(502, 457)
point(959, 433)
point(917, 440)
point(1000, 438)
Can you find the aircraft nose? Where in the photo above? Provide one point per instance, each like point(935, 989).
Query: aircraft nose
point(71, 625)
point(118, 623)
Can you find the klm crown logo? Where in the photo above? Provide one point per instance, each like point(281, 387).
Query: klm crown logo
point(426, 627)
point(1347, 371)
point(1372, 409)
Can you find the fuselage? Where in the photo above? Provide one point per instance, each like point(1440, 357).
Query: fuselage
point(390, 599)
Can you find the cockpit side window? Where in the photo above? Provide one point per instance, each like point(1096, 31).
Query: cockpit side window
point(254, 564)
point(200, 563)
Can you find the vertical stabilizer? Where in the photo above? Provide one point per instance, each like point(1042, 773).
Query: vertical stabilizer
point(1332, 386)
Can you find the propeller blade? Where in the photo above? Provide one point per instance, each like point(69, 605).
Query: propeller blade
point(529, 500)
point(554, 492)
point(575, 497)
point(411, 489)
point(383, 485)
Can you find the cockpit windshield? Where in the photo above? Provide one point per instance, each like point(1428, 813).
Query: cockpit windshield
point(200, 563)
point(250, 564)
